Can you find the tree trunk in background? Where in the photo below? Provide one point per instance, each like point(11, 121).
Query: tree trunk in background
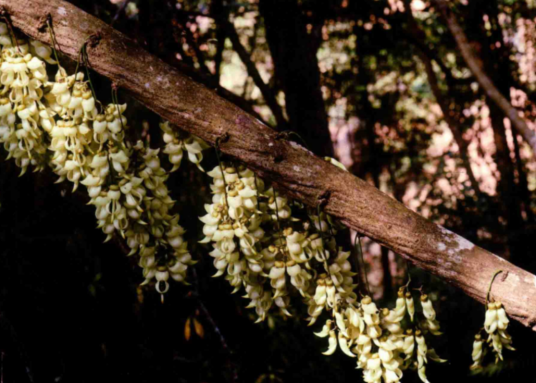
point(418, 37)
point(372, 158)
point(217, 8)
point(296, 68)
point(375, 166)
point(523, 184)
point(506, 81)
point(497, 65)
point(510, 198)
point(506, 185)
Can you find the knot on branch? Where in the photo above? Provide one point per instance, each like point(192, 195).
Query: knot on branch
point(323, 198)
point(94, 40)
point(43, 24)
point(278, 158)
point(46, 22)
point(222, 139)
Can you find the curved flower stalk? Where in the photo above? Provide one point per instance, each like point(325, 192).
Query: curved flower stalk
point(495, 325)
point(59, 123)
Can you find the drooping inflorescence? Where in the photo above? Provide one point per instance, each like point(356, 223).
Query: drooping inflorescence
point(60, 123)
point(272, 247)
point(495, 326)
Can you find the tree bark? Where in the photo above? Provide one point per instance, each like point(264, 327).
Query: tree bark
point(292, 168)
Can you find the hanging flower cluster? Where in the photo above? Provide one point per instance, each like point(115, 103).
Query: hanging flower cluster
point(23, 77)
point(260, 245)
point(270, 246)
point(378, 339)
point(59, 123)
point(178, 142)
point(495, 325)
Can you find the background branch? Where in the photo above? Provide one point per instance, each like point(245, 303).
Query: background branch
point(451, 117)
point(266, 92)
point(483, 79)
